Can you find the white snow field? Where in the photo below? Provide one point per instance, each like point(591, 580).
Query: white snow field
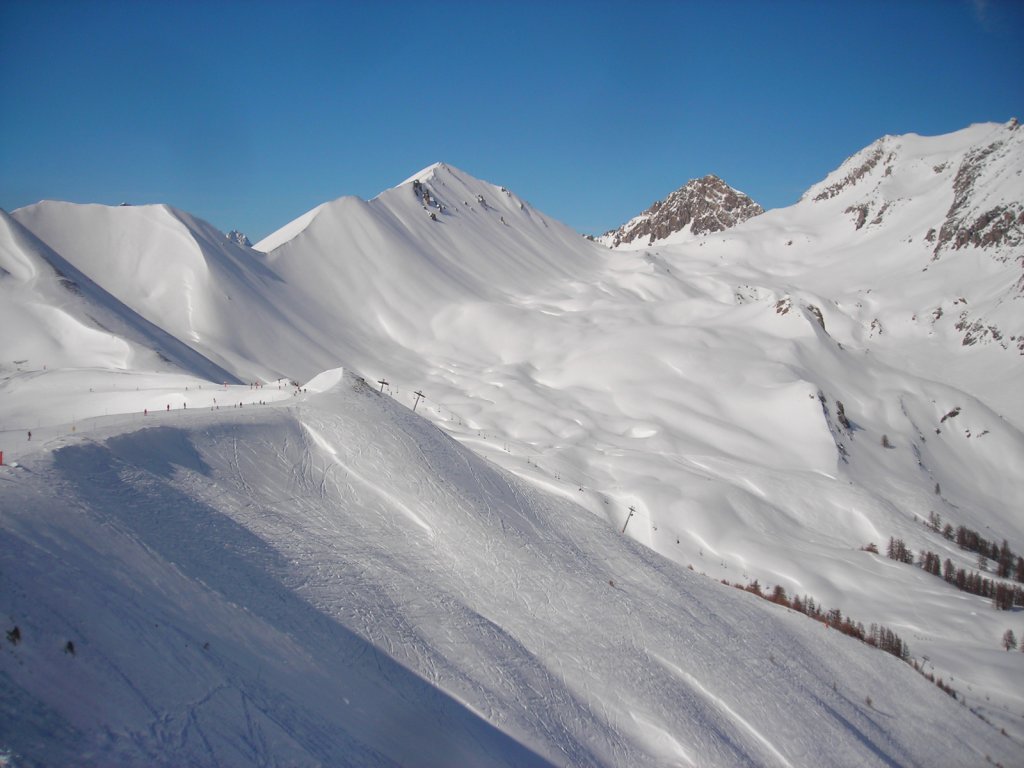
point(332, 580)
point(373, 592)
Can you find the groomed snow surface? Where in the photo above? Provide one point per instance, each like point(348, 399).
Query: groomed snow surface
point(304, 571)
point(332, 580)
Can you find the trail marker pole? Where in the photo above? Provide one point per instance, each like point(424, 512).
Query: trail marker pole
point(632, 511)
point(418, 396)
point(383, 384)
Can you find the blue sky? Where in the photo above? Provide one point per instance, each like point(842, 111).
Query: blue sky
point(249, 114)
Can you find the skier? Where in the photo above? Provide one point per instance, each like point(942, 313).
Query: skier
point(30, 435)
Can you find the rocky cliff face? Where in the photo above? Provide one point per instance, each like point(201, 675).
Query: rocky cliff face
point(973, 219)
point(702, 205)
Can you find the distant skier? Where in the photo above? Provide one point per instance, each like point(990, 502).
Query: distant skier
point(30, 435)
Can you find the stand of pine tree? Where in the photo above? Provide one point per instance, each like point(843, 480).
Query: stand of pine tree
point(1004, 596)
point(879, 636)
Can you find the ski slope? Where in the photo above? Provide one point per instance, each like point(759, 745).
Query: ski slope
point(332, 580)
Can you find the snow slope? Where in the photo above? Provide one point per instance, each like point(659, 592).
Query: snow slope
point(53, 314)
point(185, 276)
point(688, 381)
point(385, 270)
point(334, 581)
point(698, 381)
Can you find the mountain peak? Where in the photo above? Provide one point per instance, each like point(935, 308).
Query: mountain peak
point(701, 205)
point(239, 238)
point(972, 175)
point(428, 172)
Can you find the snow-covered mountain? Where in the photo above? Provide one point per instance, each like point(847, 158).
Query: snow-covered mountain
point(700, 206)
point(958, 199)
point(757, 403)
point(51, 311)
point(394, 270)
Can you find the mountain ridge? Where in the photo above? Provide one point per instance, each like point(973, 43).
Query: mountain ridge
point(760, 403)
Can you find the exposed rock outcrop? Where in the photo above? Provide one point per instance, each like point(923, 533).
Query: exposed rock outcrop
point(702, 205)
point(239, 238)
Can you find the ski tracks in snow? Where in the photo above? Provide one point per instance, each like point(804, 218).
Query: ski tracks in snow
point(729, 714)
point(377, 489)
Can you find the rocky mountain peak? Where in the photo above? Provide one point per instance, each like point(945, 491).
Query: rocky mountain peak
point(239, 238)
point(701, 205)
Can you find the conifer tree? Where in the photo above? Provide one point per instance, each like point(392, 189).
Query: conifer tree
point(1005, 561)
point(1009, 640)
